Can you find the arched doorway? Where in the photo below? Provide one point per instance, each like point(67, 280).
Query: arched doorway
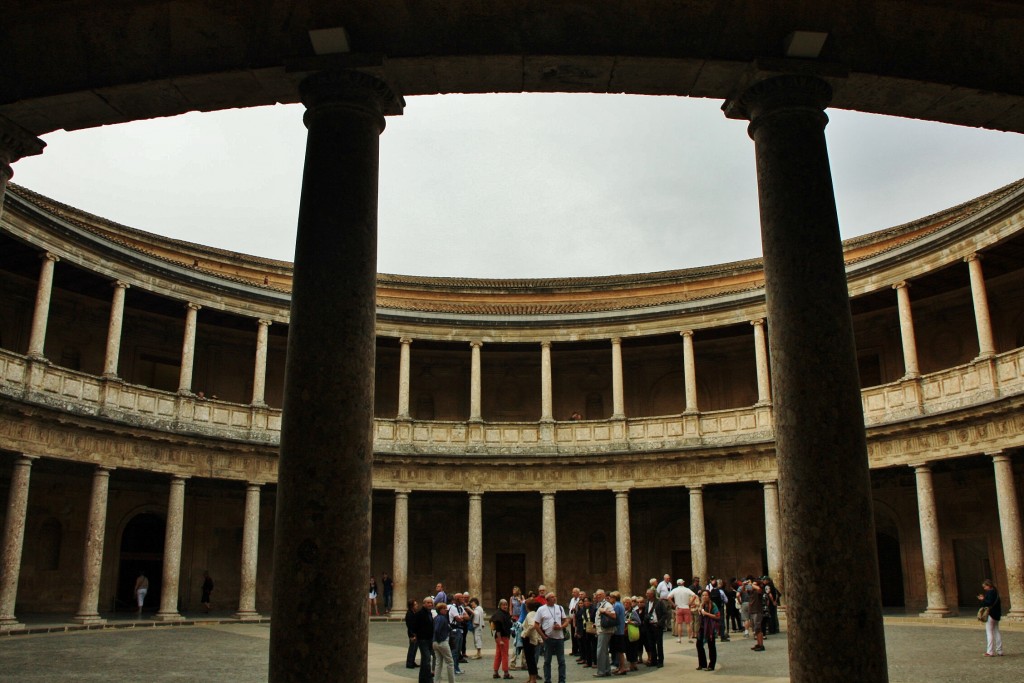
point(142, 550)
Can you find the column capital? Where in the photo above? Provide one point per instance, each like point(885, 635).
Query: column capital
point(475, 495)
point(620, 492)
point(475, 344)
point(902, 284)
point(756, 322)
point(616, 341)
point(264, 322)
point(687, 333)
point(788, 92)
point(976, 256)
point(253, 485)
point(769, 482)
point(999, 456)
point(695, 488)
point(182, 478)
point(120, 284)
point(15, 143)
point(405, 340)
point(545, 344)
point(547, 494)
point(402, 492)
point(49, 256)
point(193, 306)
point(353, 90)
point(25, 458)
point(921, 466)
point(105, 469)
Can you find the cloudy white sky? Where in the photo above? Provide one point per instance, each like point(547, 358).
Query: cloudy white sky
point(514, 185)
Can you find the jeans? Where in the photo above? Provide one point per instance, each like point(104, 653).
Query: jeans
point(442, 661)
point(554, 647)
point(603, 664)
point(455, 640)
point(425, 655)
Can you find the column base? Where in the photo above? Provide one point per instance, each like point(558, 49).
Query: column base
point(88, 619)
point(248, 616)
point(168, 616)
point(1015, 615)
point(10, 624)
point(937, 613)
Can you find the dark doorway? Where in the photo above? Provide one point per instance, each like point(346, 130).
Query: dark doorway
point(142, 550)
point(681, 566)
point(509, 571)
point(972, 567)
point(890, 569)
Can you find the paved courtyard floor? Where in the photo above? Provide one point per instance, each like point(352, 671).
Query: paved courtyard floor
point(219, 651)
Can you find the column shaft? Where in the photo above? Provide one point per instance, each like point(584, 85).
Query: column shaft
point(907, 330)
point(549, 542)
point(476, 545)
point(1010, 531)
point(689, 372)
point(773, 534)
point(546, 409)
point(764, 390)
point(475, 411)
point(623, 545)
point(931, 551)
point(698, 536)
point(92, 558)
point(188, 349)
point(172, 552)
point(14, 537)
point(618, 400)
point(259, 372)
point(400, 561)
point(110, 359)
point(404, 367)
point(322, 531)
point(820, 440)
point(250, 554)
point(986, 345)
point(41, 312)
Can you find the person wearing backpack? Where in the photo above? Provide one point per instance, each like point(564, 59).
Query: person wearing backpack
point(605, 620)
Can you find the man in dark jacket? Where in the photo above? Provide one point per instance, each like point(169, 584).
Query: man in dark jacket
point(423, 631)
point(652, 620)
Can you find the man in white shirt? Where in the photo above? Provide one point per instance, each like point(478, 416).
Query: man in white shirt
point(663, 589)
point(681, 598)
point(573, 604)
point(553, 621)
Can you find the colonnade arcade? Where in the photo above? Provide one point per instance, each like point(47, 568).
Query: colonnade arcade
point(320, 558)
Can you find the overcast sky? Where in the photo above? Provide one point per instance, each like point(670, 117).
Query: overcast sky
point(514, 185)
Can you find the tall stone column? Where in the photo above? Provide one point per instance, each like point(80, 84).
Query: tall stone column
point(618, 400)
point(549, 541)
point(773, 534)
point(250, 555)
point(172, 552)
point(14, 537)
point(92, 558)
point(819, 423)
point(546, 409)
point(188, 349)
point(400, 561)
point(41, 313)
point(986, 345)
point(764, 389)
point(259, 371)
point(931, 552)
point(698, 536)
point(910, 366)
point(476, 544)
point(1010, 531)
point(623, 545)
point(15, 142)
point(111, 357)
point(322, 531)
point(689, 371)
point(404, 367)
point(475, 410)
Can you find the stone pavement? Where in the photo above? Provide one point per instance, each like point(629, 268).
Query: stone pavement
point(219, 650)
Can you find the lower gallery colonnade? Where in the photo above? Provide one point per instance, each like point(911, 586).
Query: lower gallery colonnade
point(812, 380)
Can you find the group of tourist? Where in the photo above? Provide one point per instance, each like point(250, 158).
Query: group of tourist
point(388, 586)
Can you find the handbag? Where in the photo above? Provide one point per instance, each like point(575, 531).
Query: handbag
point(591, 628)
point(633, 632)
point(983, 614)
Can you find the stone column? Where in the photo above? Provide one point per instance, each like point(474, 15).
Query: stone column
point(41, 313)
point(907, 330)
point(15, 142)
point(322, 531)
point(986, 345)
point(404, 366)
point(250, 554)
point(546, 410)
point(623, 546)
point(475, 413)
point(92, 558)
point(400, 561)
point(14, 537)
point(773, 534)
point(618, 401)
point(698, 537)
point(764, 389)
point(689, 371)
point(110, 359)
point(931, 552)
point(819, 423)
point(259, 372)
point(188, 349)
point(1010, 530)
point(549, 542)
point(172, 552)
point(476, 544)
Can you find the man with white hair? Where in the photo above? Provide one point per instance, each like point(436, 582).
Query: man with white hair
point(553, 621)
point(663, 589)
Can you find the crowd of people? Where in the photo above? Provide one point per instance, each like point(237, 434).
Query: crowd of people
point(605, 631)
